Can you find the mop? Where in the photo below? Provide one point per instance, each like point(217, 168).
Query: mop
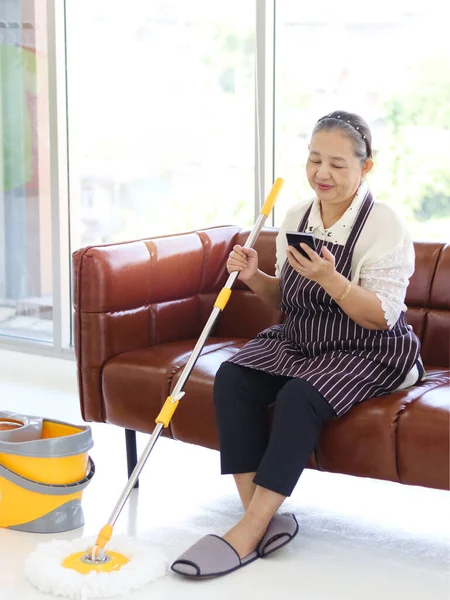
point(70, 570)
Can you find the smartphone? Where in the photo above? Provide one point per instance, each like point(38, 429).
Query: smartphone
point(295, 238)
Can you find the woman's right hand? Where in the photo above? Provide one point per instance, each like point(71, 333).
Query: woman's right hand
point(244, 260)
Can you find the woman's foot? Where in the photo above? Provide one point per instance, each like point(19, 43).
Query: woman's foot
point(282, 529)
point(211, 556)
point(246, 535)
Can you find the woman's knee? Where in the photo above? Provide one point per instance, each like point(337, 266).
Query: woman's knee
point(226, 373)
point(225, 380)
point(303, 397)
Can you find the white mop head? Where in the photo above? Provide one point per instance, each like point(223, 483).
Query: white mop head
point(44, 569)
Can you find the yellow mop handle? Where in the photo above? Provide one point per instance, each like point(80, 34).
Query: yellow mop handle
point(166, 413)
point(222, 298)
point(172, 401)
point(225, 293)
point(171, 404)
point(104, 536)
point(272, 197)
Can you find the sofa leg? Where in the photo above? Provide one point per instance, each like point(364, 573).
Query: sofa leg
point(130, 437)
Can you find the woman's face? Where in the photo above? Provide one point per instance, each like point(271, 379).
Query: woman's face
point(333, 170)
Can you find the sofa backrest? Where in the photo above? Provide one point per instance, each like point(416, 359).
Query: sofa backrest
point(128, 296)
point(428, 301)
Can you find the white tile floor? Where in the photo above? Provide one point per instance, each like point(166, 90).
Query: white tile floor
point(359, 539)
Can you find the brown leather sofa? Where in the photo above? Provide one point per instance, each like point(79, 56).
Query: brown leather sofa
point(140, 307)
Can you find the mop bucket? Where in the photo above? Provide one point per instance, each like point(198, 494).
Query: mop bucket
point(44, 468)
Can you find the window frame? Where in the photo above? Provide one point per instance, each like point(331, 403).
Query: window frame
point(60, 157)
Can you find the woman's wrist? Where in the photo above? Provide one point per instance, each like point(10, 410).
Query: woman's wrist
point(336, 285)
point(267, 287)
point(254, 278)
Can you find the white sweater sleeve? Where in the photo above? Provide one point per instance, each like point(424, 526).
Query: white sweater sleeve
point(388, 263)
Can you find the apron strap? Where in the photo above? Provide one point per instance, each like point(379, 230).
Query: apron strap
point(304, 221)
point(361, 218)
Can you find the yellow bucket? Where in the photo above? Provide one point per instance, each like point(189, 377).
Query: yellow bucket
point(44, 468)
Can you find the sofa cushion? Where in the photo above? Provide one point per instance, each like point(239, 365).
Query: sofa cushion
point(423, 452)
point(194, 420)
point(144, 378)
point(366, 442)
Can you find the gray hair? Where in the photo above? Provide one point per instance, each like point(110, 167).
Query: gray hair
point(353, 127)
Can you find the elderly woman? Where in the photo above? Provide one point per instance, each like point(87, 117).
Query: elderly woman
point(344, 339)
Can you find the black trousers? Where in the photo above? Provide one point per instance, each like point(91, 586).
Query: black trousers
point(247, 445)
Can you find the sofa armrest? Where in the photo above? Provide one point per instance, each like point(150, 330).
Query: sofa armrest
point(134, 295)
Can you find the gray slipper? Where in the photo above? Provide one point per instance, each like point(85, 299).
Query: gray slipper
point(282, 529)
point(211, 556)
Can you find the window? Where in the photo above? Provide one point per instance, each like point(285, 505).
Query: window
point(161, 116)
point(160, 110)
point(26, 301)
point(389, 62)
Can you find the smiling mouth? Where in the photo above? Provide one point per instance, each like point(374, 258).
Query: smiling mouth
point(324, 187)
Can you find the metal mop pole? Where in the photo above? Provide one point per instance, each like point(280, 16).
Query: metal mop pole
point(172, 401)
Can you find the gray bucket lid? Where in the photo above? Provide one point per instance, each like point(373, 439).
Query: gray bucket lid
point(30, 428)
point(59, 447)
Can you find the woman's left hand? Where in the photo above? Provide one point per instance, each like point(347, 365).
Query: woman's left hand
point(317, 269)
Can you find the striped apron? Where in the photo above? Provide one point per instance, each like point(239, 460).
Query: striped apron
point(319, 343)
